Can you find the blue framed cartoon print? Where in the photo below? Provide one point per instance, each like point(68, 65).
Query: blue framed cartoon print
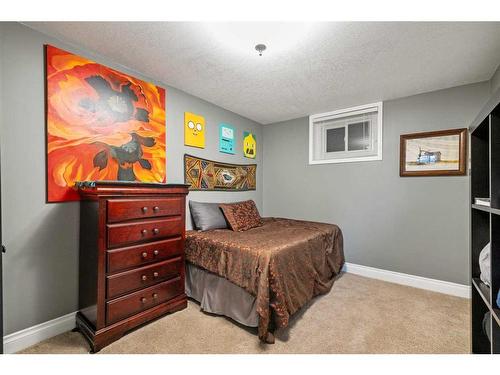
point(226, 138)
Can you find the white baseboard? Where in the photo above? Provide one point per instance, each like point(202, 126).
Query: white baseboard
point(420, 282)
point(33, 335)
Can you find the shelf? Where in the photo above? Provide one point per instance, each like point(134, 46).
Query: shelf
point(485, 224)
point(481, 208)
point(495, 211)
point(496, 314)
point(483, 290)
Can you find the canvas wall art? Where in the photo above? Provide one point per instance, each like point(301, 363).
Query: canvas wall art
point(226, 138)
point(101, 125)
point(203, 174)
point(194, 130)
point(438, 153)
point(249, 145)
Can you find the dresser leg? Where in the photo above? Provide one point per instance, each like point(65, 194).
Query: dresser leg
point(94, 348)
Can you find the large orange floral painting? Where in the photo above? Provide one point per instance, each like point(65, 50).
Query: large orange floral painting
point(101, 125)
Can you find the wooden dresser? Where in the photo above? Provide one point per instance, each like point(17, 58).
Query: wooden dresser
point(131, 256)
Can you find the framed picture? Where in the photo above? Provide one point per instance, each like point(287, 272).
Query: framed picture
point(226, 138)
point(194, 130)
point(438, 153)
point(101, 124)
point(249, 145)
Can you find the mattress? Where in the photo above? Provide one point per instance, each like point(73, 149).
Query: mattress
point(283, 264)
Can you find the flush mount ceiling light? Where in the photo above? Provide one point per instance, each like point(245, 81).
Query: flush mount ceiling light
point(239, 38)
point(260, 48)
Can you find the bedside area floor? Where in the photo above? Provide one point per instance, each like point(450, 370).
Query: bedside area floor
point(359, 315)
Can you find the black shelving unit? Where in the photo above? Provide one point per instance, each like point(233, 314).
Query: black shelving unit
point(485, 225)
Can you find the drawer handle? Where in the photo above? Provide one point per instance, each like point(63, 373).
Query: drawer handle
point(143, 299)
point(144, 255)
point(144, 232)
point(144, 277)
point(156, 208)
point(156, 252)
point(156, 231)
point(155, 275)
point(144, 209)
point(155, 295)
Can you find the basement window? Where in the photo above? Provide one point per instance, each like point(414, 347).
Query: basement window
point(348, 135)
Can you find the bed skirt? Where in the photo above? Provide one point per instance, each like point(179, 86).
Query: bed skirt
point(218, 295)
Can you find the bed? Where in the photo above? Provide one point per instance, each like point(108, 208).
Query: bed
point(262, 276)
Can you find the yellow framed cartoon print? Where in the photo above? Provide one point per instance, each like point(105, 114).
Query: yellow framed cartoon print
point(194, 130)
point(249, 145)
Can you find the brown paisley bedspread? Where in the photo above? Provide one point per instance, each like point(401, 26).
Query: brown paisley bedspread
point(284, 263)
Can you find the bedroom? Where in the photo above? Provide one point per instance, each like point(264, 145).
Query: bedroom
point(247, 188)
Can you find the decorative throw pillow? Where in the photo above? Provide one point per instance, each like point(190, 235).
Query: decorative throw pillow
point(241, 215)
point(207, 216)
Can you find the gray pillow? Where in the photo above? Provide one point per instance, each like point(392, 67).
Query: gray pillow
point(207, 216)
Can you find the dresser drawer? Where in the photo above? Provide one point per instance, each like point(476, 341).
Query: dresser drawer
point(133, 256)
point(132, 232)
point(142, 277)
point(123, 307)
point(127, 209)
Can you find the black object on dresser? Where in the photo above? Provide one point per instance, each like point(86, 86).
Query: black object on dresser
point(131, 256)
point(485, 227)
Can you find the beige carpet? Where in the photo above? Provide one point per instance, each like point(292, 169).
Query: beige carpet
point(359, 315)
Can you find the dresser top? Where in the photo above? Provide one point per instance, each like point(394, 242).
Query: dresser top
point(91, 184)
point(127, 187)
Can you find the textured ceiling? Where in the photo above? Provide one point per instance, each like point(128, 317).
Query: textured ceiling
point(308, 68)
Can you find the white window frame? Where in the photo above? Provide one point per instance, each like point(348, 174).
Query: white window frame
point(359, 110)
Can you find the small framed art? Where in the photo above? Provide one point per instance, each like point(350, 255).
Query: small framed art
point(249, 145)
point(194, 130)
point(437, 153)
point(226, 138)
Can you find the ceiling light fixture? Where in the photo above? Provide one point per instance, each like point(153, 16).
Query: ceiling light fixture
point(238, 38)
point(260, 48)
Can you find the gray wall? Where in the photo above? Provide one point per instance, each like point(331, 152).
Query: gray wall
point(415, 225)
point(41, 266)
point(495, 80)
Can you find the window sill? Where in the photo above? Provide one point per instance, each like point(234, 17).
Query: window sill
point(346, 160)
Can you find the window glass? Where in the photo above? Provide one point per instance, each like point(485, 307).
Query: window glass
point(359, 136)
point(335, 139)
